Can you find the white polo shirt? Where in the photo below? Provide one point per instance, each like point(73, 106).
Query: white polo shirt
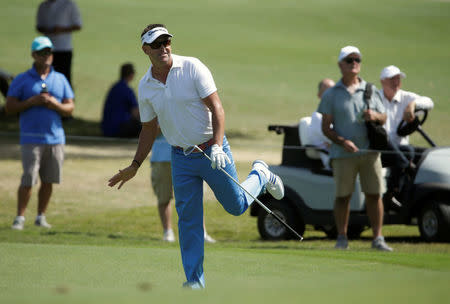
point(396, 108)
point(183, 117)
point(62, 13)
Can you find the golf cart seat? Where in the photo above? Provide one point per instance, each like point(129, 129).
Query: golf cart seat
point(294, 154)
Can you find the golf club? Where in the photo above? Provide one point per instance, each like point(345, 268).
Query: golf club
point(191, 149)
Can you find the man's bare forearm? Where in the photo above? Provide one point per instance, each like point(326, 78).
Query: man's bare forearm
point(333, 136)
point(14, 105)
point(146, 139)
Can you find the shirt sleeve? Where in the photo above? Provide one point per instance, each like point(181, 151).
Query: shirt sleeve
point(68, 92)
point(326, 104)
point(146, 111)
point(15, 88)
point(203, 78)
point(75, 15)
point(422, 102)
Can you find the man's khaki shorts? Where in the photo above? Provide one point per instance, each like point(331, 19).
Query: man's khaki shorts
point(43, 160)
point(367, 165)
point(161, 177)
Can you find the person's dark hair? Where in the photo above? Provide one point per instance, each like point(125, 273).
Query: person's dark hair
point(126, 70)
point(152, 26)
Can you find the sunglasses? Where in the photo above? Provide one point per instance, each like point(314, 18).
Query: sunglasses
point(351, 60)
point(157, 44)
point(44, 52)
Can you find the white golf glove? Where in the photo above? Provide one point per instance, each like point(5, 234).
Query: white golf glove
point(218, 157)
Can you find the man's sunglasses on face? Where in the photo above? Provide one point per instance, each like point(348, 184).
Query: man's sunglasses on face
point(157, 44)
point(351, 60)
point(44, 52)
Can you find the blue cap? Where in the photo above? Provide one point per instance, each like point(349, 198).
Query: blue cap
point(40, 43)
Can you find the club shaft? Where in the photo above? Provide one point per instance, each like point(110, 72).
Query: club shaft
point(256, 200)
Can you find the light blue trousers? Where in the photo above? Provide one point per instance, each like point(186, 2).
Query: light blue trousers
point(188, 174)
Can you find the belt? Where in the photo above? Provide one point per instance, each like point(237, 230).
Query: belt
point(202, 146)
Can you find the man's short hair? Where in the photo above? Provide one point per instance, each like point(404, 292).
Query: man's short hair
point(126, 70)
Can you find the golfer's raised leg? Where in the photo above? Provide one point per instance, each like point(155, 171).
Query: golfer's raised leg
point(230, 194)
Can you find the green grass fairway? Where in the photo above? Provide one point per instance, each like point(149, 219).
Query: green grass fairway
point(105, 247)
point(90, 274)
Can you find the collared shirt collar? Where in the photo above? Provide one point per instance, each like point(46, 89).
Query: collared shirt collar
point(176, 63)
point(396, 97)
point(34, 72)
point(361, 86)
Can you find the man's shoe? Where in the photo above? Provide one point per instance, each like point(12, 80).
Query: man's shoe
point(193, 285)
point(274, 183)
point(209, 239)
point(18, 223)
point(380, 244)
point(42, 222)
point(168, 236)
point(341, 242)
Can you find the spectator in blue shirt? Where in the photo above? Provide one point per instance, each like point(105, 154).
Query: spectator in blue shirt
point(41, 96)
point(121, 112)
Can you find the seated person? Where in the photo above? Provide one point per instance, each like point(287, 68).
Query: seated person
point(400, 105)
point(121, 112)
point(315, 133)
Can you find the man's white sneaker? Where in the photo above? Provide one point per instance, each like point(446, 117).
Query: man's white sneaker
point(274, 183)
point(18, 223)
point(209, 239)
point(168, 236)
point(42, 222)
point(380, 244)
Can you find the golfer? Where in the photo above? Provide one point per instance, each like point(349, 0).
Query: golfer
point(180, 93)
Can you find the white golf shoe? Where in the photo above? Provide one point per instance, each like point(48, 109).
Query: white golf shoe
point(209, 239)
point(169, 236)
point(274, 183)
point(18, 223)
point(42, 222)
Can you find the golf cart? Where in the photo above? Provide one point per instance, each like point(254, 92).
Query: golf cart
point(309, 190)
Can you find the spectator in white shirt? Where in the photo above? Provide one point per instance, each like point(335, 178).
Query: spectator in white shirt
point(400, 105)
point(315, 128)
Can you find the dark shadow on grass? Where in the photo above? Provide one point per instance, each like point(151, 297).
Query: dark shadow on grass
point(72, 126)
point(111, 236)
point(265, 244)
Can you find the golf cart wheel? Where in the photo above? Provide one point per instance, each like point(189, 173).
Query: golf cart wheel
point(270, 229)
point(434, 222)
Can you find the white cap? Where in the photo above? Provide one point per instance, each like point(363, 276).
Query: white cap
point(345, 51)
point(154, 33)
point(391, 71)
